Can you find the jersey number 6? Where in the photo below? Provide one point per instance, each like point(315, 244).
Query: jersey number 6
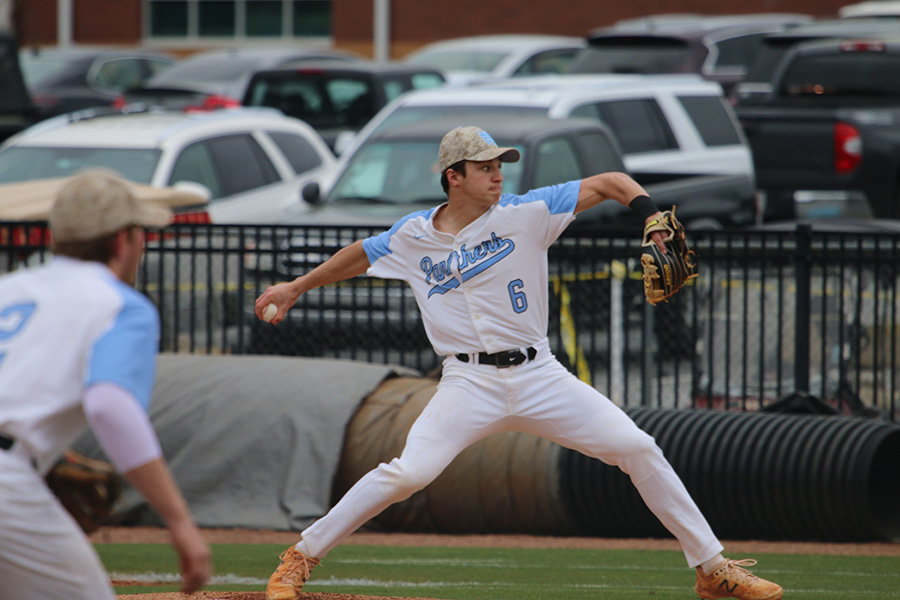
point(517, 296)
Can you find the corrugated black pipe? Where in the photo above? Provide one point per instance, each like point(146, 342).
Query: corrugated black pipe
point(754, 476)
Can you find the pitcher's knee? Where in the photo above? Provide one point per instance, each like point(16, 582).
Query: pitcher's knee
point(400, 481)
point(642, 458)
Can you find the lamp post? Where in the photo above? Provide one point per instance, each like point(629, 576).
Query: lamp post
point(381, 23)
point(64, 23)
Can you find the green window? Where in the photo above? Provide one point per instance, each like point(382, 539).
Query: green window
point(240, 19)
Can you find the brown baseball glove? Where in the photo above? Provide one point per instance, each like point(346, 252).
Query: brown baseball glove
point(87, 488)
point(665, 274)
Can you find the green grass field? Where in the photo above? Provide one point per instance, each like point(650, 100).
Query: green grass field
point(507, 574)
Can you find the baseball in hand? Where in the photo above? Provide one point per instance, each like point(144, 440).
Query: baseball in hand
point(269, 312)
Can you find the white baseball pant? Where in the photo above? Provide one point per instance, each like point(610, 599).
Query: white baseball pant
point(541, 397)
point(43, 551)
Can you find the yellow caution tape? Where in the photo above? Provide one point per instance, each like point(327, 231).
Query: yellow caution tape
point(569, 334)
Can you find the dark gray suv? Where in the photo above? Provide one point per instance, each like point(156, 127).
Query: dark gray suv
point(337, 98)
point(392, 175)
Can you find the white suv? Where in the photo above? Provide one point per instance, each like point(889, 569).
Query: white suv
point(250, 163)
point(667, 125)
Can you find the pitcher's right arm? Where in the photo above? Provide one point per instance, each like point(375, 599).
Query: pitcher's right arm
point(350, 261)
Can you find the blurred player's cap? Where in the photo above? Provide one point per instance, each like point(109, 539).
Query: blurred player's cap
point(98, 202)
point(472, 143)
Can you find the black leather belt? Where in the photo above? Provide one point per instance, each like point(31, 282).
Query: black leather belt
point(504, 359)
point(6, 442)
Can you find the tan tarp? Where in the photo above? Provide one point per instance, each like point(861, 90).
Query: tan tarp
point(31, 200)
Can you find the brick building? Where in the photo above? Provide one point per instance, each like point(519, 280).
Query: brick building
point(187, 25)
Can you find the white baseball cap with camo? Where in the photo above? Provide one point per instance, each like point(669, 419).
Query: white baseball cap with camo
point(472, 143)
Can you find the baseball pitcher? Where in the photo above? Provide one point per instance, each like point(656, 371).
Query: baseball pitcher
point(477, 266)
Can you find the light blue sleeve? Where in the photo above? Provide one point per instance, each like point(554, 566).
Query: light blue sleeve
point(380, 245)
point(377, 246)
point(561, 198)
point(126, 353)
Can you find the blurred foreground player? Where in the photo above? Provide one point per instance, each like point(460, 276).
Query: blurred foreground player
point(78, 347)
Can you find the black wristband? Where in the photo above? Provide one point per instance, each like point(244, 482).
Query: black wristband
point(643, 207)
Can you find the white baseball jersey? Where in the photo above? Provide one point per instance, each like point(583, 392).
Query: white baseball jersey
point(63, 327)
point(484, 289)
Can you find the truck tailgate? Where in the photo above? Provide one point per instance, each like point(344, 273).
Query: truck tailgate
point(790, 141)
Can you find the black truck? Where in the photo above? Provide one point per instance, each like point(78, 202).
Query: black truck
point(825, 134)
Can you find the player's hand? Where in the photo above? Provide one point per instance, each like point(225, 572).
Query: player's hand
point(281, 296)
point(194, 557)
point(659, 237)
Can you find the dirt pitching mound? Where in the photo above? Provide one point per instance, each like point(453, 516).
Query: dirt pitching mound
point(252, 596)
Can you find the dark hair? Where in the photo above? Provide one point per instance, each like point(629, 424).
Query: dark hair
point(459, 167)
point(99, 250)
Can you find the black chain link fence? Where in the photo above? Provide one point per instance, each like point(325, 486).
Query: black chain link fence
point(771, 314)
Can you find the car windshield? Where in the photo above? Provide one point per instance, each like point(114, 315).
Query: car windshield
point(765, 61)
point(208, 68)
point(473, 115)
point(480, 61)
point(322, 100)
point(402, 172)
point(847, 76)
point(25, 164)
point(38, 68)
point(626, 55)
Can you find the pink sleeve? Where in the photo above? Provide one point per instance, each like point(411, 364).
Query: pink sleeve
point(121, 426)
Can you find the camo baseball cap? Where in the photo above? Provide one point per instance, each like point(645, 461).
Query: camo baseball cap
point(98, 202)
point(472, 143)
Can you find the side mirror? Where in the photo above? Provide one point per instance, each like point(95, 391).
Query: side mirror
point(311, 193)
point(192, 187)
point(343, 141)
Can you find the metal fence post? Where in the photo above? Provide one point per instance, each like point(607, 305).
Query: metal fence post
point(802, 307)
point(646, 351)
